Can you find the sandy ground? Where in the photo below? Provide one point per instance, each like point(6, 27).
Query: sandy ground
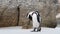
point(18, 30)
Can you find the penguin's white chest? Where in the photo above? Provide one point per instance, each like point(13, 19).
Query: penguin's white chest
point(34, 20)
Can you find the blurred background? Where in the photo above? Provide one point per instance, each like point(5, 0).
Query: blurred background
point(13, 12)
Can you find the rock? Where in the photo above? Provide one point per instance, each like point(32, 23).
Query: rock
point(13, 12)
point(8, 14)
point(47, 9)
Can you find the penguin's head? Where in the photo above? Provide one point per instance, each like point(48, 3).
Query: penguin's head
point(29, 15)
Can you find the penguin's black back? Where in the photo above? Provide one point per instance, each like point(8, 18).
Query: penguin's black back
point(38, 18)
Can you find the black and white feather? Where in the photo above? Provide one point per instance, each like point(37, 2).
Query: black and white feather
point(35, 17)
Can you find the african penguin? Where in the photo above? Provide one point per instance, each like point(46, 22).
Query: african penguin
point(34, 16)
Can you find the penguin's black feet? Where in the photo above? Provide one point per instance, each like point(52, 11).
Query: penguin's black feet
point(39, 29)
point(34, 30)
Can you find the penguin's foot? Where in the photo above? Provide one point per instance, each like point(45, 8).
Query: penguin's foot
point(34, 30)
point(39, 29)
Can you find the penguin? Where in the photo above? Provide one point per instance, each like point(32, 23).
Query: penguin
point(34, 16)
